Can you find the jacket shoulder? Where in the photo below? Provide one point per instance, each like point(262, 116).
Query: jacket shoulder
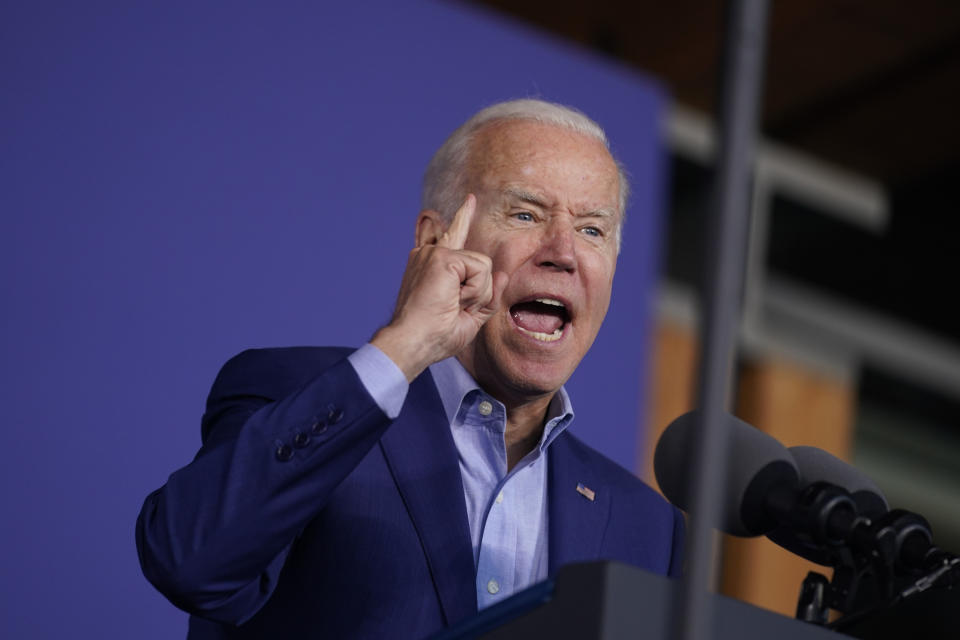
point(273, 373)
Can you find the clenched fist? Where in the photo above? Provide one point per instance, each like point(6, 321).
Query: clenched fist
point(446, 295)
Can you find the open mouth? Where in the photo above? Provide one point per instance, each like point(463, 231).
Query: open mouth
point(541, 318)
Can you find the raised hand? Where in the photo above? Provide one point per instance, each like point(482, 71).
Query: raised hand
point(447, 294)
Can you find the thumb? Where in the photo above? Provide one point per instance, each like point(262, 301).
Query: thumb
point(500, 281)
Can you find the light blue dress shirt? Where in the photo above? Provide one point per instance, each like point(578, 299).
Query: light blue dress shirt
point(507, 512)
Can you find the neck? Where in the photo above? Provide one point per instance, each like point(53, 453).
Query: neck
point(526, 407)
point(524, 428)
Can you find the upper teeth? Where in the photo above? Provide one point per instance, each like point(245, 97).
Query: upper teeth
point(550, 301)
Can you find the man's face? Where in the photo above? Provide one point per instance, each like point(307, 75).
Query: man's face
point(547, 215)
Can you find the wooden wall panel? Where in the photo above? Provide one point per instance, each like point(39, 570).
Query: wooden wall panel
point(672, 386)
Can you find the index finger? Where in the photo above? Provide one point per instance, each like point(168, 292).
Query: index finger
point(456, 234)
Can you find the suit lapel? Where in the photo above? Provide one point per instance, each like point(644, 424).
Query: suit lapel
point(576, 523)
point(422, 457)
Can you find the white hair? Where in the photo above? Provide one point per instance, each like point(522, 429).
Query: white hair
point(443, 181)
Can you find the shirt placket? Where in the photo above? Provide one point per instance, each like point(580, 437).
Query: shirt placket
point(496, 563)
point(496, 570)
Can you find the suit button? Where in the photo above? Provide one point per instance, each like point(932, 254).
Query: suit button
point(335, 415)
point(318, 427)
point(284, 452)
point(300, 440)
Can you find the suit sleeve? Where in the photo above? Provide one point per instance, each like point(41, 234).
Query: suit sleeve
point(214, 538)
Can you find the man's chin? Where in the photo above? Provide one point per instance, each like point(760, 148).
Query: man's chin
point(509, 364)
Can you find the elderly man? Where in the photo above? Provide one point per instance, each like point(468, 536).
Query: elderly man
point(394, 490)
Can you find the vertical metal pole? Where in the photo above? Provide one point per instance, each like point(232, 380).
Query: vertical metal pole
point(725, 241)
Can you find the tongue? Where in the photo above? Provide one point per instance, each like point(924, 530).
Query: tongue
point(537, 317)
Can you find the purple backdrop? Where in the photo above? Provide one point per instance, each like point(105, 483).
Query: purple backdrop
point(179, 182)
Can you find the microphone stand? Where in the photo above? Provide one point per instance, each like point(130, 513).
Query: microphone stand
point(947, 568)
point(722, 289)
point(892, 556)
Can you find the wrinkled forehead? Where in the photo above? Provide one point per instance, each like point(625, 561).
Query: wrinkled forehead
point(532, 155)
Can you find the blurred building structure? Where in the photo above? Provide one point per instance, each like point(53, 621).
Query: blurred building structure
point(850, 339)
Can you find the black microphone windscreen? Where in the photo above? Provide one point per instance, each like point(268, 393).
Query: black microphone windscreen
point(816, 465)
point(757, 464)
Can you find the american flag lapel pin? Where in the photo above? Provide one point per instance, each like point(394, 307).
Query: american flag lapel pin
point(586, 491)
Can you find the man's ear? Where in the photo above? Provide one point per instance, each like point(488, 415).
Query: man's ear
point(430, 226)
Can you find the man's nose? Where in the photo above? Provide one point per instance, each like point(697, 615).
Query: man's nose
point(557, 247)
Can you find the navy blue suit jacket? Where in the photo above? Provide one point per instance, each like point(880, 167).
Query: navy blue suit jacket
point(308, 513)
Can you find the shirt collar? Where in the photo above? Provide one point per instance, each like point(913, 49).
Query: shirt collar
point(454, 382)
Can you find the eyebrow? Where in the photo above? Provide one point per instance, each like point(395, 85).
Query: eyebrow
point(539, 201)
point(599, 213)
point(526, 196)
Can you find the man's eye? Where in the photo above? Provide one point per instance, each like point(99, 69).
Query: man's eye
point(593, 231)
point(524, 216)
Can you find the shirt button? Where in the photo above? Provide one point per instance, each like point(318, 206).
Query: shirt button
point(493, 587)
point(500, 497)
point(485, 408)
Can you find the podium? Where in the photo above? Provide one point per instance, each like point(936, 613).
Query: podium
point(613, 601)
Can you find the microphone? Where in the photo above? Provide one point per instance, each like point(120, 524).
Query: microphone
point(904, 537)
point(764, 490)
point(762, 477)
point(820, 472)
point(816, 465)
point(804, 499)
point(818, 507)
